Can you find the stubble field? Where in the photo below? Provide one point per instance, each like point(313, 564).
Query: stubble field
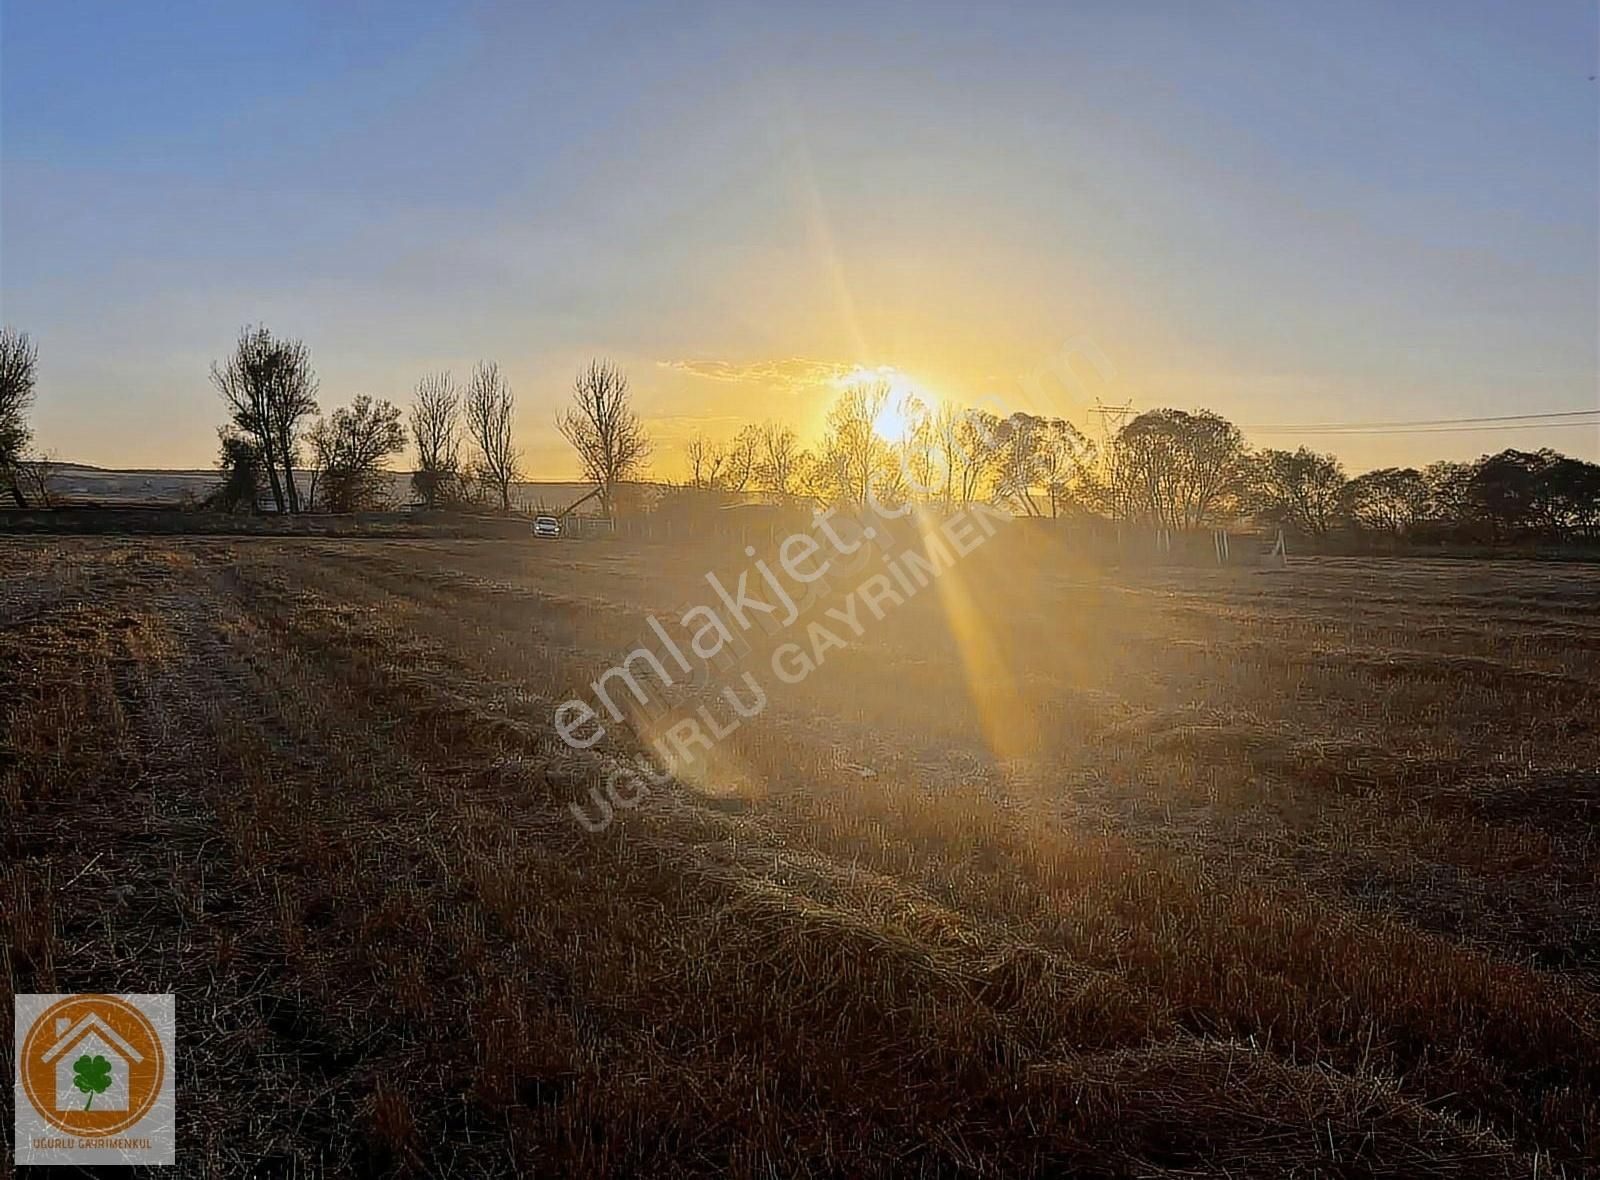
point(1151, 873)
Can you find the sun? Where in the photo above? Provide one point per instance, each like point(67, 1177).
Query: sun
point(893, 423)
point(908, 400)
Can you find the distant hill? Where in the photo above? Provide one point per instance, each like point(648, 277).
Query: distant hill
point(80, 483)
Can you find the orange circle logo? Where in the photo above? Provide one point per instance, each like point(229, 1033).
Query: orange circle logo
point(92, 1065)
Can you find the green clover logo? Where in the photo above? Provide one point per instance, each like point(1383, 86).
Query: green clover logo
point(92, 1075)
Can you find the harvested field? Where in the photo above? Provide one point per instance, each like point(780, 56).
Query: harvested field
point(1145, 874)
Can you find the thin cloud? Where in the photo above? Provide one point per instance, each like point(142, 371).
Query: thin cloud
point(789, 375)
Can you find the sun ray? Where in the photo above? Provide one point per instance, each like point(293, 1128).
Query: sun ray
point(1004, 715)
point(821, 231)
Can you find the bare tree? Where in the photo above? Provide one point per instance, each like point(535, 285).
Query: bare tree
point(706, 460)
point(602, 427)
point(724, 466)
point(243, 385)
point(270, 389)
point(350, 447)
point(19, 360)
point(1018, 467)
point(35, 478)
point(781, 462)
point(743, 458)
point(490, 409)
point(436, 432)
point(1049, 454)
point(925, 475)
point(292, 398)
point(854, 461)
point(966, 445)
point(1066, 465)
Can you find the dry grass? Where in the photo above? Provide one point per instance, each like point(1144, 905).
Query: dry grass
point(1299, 878)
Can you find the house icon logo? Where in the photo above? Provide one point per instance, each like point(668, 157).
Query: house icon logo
point(91, 1066)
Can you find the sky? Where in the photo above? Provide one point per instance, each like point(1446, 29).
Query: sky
point(1290, 214)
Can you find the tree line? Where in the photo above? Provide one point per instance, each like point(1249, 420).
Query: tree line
point(463, 435)
point(278, 446)
point(949, 457)
point(1194, 470)
point(1163, 469)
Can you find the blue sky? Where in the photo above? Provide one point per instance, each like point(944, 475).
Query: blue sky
point(1288, 213)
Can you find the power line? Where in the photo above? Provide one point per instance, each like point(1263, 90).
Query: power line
point(1552, 418)
point(1112, 419)
point(1434, 421)
point(1435, 429)
point(1426, 421)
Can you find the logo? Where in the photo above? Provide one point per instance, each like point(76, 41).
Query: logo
point(94, 1079)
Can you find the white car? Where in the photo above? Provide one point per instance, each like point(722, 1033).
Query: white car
point(546, 526)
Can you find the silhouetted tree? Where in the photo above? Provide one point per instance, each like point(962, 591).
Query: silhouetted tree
point(270, 389)
point(1066, 463)
point(1540, 492)
point(723, 466)
point(1450, 493)
point(436, 433)
point(1180, 470)
point(490, 409)
point(1505, 490)
point(241, 467)
point(705, 458)
point(1389, 500)
point(782, 461)
point(966, 445)
point(602, 427)
point(1044, 454)
point(743, 455)
point(350, 447)
point(35, 479)
point(1301, 489)
point(1573, 486)
point(921, 471)
point(854, 461)
point(19, 360)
